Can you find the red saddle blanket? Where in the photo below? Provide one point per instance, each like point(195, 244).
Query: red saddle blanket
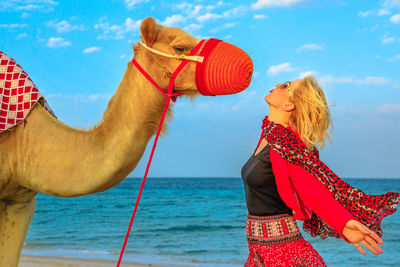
point(18, 94)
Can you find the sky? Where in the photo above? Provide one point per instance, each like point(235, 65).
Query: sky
point(76, 53)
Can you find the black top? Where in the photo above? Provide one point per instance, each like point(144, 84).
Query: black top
point(262, 195)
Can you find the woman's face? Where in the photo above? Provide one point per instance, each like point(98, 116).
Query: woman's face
point(279, 97)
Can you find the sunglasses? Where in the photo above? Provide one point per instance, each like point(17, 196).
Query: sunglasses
point(286, 85)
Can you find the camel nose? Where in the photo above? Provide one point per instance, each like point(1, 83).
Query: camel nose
point(227, 70)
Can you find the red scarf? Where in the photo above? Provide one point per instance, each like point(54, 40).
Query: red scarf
point(369, 209)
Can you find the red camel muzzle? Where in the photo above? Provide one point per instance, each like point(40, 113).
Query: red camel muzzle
point(221, 68)
point(226, 69)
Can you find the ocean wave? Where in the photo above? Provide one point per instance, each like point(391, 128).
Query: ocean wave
point(196, 228)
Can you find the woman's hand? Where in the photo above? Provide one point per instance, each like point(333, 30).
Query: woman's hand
point(356, 232)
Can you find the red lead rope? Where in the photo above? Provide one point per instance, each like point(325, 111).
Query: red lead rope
point(169, 94)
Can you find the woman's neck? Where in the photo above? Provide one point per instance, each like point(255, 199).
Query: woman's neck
point(279, 117)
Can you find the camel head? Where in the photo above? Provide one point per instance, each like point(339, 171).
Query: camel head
point(225, 69)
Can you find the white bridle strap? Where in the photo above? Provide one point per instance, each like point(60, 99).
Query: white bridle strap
point(192, 58)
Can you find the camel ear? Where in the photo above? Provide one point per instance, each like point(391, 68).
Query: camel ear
point(149, 30)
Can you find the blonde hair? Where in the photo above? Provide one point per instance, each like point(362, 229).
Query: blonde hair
point(311, 116)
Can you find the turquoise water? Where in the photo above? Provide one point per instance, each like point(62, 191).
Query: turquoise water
point(179, 222)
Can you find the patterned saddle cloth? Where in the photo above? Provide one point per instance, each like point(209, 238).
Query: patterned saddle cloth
point(18, 94)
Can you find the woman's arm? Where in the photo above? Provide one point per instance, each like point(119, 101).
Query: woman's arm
point(319, 199)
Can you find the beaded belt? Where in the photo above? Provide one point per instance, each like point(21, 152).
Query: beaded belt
point(272, 230)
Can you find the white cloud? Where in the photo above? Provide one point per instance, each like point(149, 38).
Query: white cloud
point(234, 11)
point(192, 27)
point(204, 13)
point(15, 25)
point(214, 30)
point(173, 20)
point(275, 70)
point(194, 10)
point(274, 3)
point(395, 19)
point(56, 42)
point(374, 28)
point(395, 58)
point(91, 49)
point(306, 73)
point(374, 80)
point(364, 14)
point(184, 6)
point(383, 12)
point(308, 47)
point(132, 25)
point(229, 25)
point(122, 56)
point(331, 79)
point(201, 14)
point(385, 9)
point(64, 26)
point(28, 5)
point(369, 29)
point(131, 3)
point(208, 16)
point(387, 40)
point(392, 4)
point(370, 80)
point(259, 16)
point(109, 31)
point(21, 35)
point(389, 108)
point(116, 31)
point(224, 26)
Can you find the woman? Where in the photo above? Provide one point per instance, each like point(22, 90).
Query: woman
point(285, 180)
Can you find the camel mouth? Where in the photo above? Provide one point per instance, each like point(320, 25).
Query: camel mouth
point(186, 92)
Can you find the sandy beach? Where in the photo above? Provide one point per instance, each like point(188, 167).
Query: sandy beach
point(42, 261)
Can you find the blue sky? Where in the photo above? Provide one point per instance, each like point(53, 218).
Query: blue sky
point(76, 53)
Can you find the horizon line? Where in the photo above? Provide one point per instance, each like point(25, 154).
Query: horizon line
point(225, 177)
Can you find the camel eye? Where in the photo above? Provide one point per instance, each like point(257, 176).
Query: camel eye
point(179, 49)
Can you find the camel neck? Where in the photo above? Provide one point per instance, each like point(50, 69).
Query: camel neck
point(97, 159)
point(136, 105)
point(130, 120)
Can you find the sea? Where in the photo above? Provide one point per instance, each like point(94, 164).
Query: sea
point(180, 222)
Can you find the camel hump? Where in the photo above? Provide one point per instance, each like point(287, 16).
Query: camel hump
point(18, 94)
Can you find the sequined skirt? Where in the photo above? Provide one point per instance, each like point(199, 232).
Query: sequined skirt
point(276, 241)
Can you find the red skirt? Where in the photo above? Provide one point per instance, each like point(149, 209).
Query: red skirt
point(276, 241)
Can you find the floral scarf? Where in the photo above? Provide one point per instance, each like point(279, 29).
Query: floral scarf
point(368, 209)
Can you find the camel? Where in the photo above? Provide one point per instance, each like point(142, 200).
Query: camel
point(43, 155)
